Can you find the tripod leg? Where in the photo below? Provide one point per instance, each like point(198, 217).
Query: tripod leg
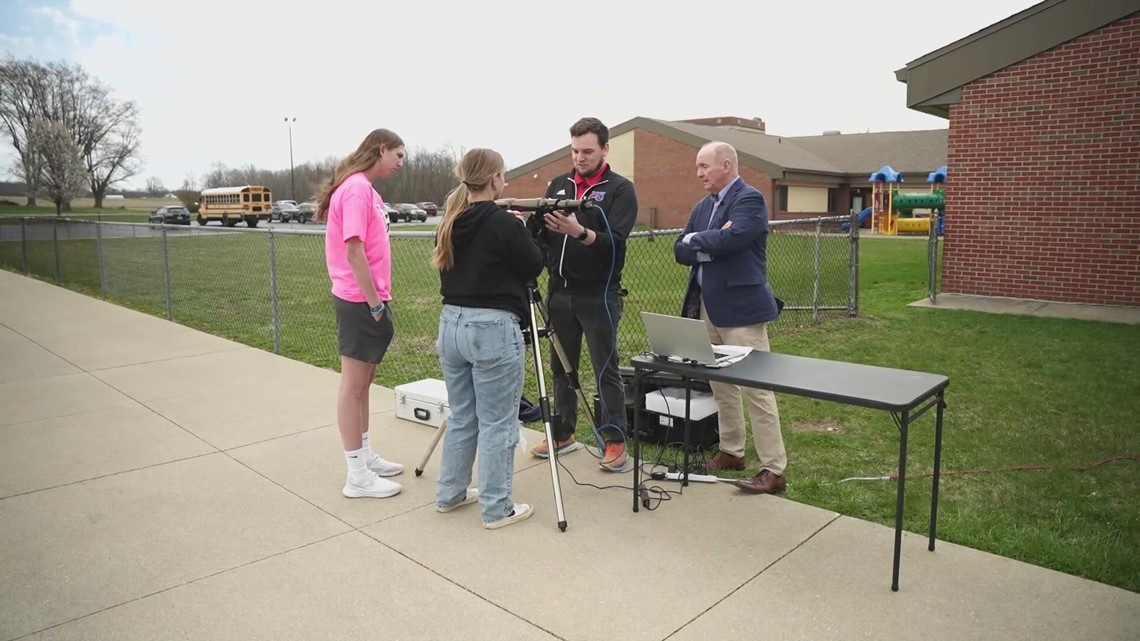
point(430, 449)
point(544, 403)
point(571, 373)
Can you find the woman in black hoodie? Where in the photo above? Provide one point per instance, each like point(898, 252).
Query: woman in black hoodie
point(485, 256)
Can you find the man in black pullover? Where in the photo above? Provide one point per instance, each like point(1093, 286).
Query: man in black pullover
point(585, 254)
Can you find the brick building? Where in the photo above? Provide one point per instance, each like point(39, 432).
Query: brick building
point(1043, 194)
point(799, 176)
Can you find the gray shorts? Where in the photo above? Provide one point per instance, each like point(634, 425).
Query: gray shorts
point(358, 334)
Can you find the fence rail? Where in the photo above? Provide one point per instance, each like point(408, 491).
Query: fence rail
point(268, 287)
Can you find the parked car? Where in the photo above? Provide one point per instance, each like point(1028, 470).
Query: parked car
point(171, 215)
point(431, 208)
point(306, 211)
point(285, 211)
point(409, 212)
point(393, 213)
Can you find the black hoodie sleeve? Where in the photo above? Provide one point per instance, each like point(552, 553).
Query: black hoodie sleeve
point(523, 257)
point(621, 218)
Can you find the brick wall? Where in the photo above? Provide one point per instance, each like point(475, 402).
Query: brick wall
point(666, 173)
point(1043, 198)
point(530, 186)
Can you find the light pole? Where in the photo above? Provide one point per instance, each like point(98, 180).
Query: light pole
point(292, 178)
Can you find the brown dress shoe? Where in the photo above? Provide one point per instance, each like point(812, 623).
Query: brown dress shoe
point(725, 461)
point(764, 483)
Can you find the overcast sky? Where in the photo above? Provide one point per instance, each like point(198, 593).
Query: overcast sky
point(214, 79)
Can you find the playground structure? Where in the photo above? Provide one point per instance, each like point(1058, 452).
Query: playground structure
point(893, 212)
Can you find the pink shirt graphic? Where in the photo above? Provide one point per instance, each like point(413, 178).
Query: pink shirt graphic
point(357, 211)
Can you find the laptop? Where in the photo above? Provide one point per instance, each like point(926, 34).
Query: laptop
point(686, 340)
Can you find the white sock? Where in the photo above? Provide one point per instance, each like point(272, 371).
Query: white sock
point(364, 444)
point(357, 460)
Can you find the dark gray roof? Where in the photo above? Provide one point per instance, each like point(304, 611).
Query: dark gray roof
point(905, 151)
point(777, 150)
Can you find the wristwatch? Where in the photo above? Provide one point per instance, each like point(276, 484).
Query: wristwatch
point(376, 310)
point(584, 235)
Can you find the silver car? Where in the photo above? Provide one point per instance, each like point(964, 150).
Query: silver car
point(286, 211)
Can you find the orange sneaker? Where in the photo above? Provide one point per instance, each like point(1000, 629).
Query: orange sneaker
point(542, 450)
point(614, 458)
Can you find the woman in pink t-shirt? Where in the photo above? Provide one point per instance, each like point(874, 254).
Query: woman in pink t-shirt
point(359, 263)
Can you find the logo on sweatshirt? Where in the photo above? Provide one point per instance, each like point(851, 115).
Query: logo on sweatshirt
point(598, 195)
point(561, 192)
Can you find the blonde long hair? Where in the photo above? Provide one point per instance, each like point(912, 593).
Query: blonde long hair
point(475, 172)
point(362, 159)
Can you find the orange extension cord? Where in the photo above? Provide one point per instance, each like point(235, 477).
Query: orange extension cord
point(1021, 468)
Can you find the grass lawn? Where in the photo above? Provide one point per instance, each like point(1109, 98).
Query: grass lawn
point(1024, 391)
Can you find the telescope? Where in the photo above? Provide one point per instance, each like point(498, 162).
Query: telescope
point(545, 204)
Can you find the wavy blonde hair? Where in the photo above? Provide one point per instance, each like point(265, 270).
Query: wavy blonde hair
point(362, 159)
point(475, 172)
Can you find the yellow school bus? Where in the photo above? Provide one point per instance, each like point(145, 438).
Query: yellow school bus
point(231, 205)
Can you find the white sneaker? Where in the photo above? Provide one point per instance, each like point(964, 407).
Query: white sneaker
point(521, 512)
point(384, 468)
point(367, 484)
point(472, 497)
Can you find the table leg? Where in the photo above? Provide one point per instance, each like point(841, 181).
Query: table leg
point(685, 441)
point(903, 425)
point(638, 407)
point(937, 469)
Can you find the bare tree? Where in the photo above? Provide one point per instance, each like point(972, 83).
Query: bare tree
point(105, 129)
point(52, 163)
point(189, 182)
point(188, 193)
point(113, 159)
point(154, 187)
point(426, 176)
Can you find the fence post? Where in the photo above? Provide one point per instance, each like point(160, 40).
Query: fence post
point(99, 258)
point(55, 247)
point(818, 267)
point(273, 292)
point(932, 257)
point(166, 275)
point(853, 267)
point(24, 242)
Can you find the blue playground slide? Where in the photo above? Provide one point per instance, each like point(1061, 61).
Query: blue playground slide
point(863, 216)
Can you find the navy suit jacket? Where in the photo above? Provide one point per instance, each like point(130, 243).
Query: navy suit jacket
point(734, 284)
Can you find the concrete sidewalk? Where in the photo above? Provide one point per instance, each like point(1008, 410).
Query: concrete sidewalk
point(1031, 307)
point(153, 485)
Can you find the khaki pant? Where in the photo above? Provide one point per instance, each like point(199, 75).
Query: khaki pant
point(762, 408)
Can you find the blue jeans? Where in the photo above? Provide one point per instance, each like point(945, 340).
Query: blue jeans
point(481, 355)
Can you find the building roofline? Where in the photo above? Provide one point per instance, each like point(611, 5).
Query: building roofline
point(934, 80)
point(661, 128)
point(666, 130)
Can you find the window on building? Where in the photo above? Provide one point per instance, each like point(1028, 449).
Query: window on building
point(782, 198)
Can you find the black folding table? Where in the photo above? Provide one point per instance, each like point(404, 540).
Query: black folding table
point(907, 395)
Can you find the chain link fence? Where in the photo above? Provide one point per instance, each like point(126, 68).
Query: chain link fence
point(933, 258)
point(268, 287)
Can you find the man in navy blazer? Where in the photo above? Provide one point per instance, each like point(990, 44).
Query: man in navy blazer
point(725, 243)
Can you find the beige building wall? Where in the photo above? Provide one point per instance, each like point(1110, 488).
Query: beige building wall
point(621, 154)
point(808, 199)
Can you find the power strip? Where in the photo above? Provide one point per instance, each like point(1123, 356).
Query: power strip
point(697, 478)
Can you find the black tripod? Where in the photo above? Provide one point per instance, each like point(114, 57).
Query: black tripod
point(532, 336)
